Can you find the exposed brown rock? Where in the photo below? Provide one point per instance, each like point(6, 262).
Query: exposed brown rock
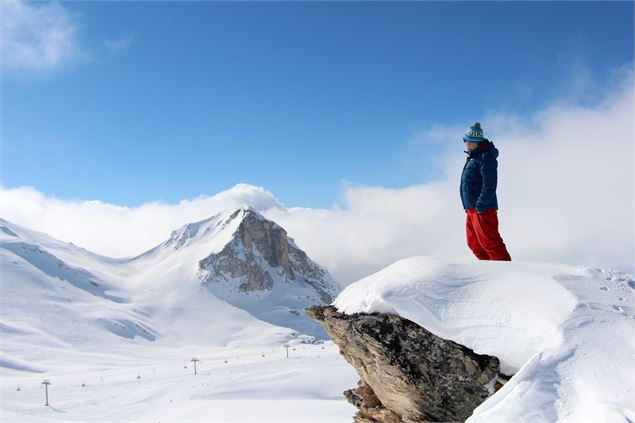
point(260, 243)
point(407, 373)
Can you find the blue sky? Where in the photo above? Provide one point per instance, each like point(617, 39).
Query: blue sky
point(166, 101)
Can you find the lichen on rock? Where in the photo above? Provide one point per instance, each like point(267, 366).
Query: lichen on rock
point(407, 373)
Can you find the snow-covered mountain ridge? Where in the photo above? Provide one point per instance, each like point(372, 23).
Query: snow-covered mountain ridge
point(246, 260)
point(260, 254)
point(183, 279)
point(115, 336)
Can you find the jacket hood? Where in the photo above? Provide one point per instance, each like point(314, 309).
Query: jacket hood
point(492, 148)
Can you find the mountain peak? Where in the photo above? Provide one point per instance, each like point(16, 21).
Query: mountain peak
point(248, 260)
point(204, 229)
point(262, 270)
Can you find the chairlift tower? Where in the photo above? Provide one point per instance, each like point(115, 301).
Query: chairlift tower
point(194, 360)
point(46, 384)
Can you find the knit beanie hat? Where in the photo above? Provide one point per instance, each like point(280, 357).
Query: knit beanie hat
point(474, 134)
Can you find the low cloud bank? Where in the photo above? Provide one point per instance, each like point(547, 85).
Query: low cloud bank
point(565, 195)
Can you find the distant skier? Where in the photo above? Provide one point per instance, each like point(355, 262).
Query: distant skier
point(478, 195)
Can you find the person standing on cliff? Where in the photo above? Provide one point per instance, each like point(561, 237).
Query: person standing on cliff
point(478, 195)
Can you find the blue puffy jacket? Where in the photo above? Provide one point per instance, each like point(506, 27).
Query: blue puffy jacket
point(479, 178)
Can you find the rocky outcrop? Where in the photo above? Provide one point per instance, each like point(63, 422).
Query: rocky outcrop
point(259, 252)
point(407, 373)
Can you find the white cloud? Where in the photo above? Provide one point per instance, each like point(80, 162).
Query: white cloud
point(43, 37)
point(119, 231)
point(565, 195)
point(37, 37)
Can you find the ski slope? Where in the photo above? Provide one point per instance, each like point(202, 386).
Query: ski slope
point(306, 387)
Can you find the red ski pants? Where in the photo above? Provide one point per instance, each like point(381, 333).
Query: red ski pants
point(483, 237)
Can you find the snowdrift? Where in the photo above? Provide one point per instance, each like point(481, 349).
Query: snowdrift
point(567, 333)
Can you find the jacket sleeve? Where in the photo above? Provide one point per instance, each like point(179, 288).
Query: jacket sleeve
point(489, 166)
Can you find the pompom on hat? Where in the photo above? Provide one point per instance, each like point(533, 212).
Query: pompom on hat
point(474, 134)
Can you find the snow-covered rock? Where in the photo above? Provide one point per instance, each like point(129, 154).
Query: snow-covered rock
point(567, 333)
point(263, 271)
point(407, 374)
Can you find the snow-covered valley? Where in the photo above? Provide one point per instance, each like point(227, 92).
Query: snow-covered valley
point(148, 383)
point(126, 329)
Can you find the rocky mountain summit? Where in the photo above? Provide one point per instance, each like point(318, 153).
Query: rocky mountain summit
point(261, 252)
point(407, 373)
point(253, 264)
point(246, 260)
